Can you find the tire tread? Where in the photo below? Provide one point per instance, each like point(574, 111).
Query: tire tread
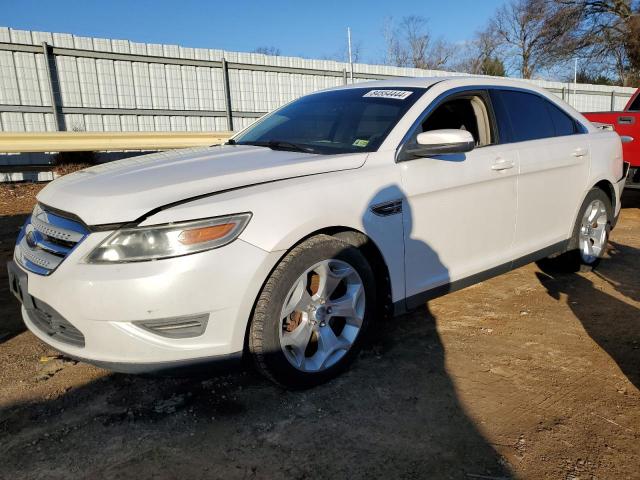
point(260, 315)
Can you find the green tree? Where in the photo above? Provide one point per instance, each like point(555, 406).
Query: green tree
point(492, 66)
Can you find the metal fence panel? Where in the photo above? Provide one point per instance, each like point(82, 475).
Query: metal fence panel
point(27, 77)
point(9, 92)
point(107, 83)
point(116, 85)
point(125, 85)
point(88, 75)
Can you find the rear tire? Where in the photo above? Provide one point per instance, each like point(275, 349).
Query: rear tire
point(589, 239)
point(296, 337)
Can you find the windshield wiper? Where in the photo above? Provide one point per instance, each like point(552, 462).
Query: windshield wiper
point(281, 145)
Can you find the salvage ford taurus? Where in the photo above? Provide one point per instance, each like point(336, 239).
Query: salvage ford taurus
point(287, 242)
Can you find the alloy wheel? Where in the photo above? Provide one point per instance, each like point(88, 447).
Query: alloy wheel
point(322, 315)
point(594, 231)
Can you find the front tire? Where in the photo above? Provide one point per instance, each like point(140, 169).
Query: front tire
point(313, 313)
point(590, 236)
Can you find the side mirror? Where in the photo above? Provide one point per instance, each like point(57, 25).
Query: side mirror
point(438, 142)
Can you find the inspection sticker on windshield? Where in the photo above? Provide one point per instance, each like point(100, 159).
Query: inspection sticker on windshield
point(395, 94)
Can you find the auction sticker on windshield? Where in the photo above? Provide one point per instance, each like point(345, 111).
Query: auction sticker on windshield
point(395, 94)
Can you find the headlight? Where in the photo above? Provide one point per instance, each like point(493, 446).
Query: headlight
point(172, 240)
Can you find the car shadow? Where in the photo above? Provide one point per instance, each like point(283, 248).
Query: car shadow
point(395, 414)
point(594, 307)
point(11, 323)
point(631, 198)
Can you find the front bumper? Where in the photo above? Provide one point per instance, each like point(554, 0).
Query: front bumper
point(106, 303)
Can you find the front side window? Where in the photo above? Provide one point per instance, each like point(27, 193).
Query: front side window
point(339, 121)
point(635, 106)
point(466, 111)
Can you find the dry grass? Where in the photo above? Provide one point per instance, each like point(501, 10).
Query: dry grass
point(18, 198)
point(68, 168)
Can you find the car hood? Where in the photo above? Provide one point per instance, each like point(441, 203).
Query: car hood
point(126, 190)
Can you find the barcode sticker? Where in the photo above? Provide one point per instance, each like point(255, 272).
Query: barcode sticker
point(395, 94)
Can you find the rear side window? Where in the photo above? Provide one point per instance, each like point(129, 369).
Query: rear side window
point(635, 106)
point(529, 115)
point(563, 123)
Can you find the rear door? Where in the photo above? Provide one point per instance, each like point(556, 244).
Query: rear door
point(554, 168)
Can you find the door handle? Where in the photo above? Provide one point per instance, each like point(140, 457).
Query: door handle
point(580, 152)
point(626, 120)
point(502, 164)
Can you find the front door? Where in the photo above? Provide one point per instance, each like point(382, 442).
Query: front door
point(459, 212)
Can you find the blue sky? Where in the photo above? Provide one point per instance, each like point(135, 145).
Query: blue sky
point(308, 29)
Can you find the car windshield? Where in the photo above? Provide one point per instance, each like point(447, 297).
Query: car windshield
point(337, 121)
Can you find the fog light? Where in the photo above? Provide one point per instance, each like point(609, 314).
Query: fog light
point(176, 327)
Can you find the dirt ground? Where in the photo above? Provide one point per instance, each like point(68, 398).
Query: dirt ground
point(521, 376)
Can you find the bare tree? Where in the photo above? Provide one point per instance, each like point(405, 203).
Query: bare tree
point(537, 34)
point(632, 47)
point(481, 55)
point(611, 30)
point(268, 51)
point(343, 54)
point(395, 53)
point(417, 40)
point(410, 44)
point(439, 55)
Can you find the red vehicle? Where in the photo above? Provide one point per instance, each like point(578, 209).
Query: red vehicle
point(627, 124)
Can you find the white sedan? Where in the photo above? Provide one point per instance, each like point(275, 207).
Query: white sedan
point(286, 243)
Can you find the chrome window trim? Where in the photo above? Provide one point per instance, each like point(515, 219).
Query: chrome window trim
point(468, 88)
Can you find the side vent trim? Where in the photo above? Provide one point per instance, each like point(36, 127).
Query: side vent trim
point(386, 209)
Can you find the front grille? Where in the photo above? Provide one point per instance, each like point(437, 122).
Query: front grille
point(46, 239)
point(53, 324)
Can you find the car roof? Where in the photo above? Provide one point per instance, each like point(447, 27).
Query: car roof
point(452, 81)
point(462, 80)
point(399, 82)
